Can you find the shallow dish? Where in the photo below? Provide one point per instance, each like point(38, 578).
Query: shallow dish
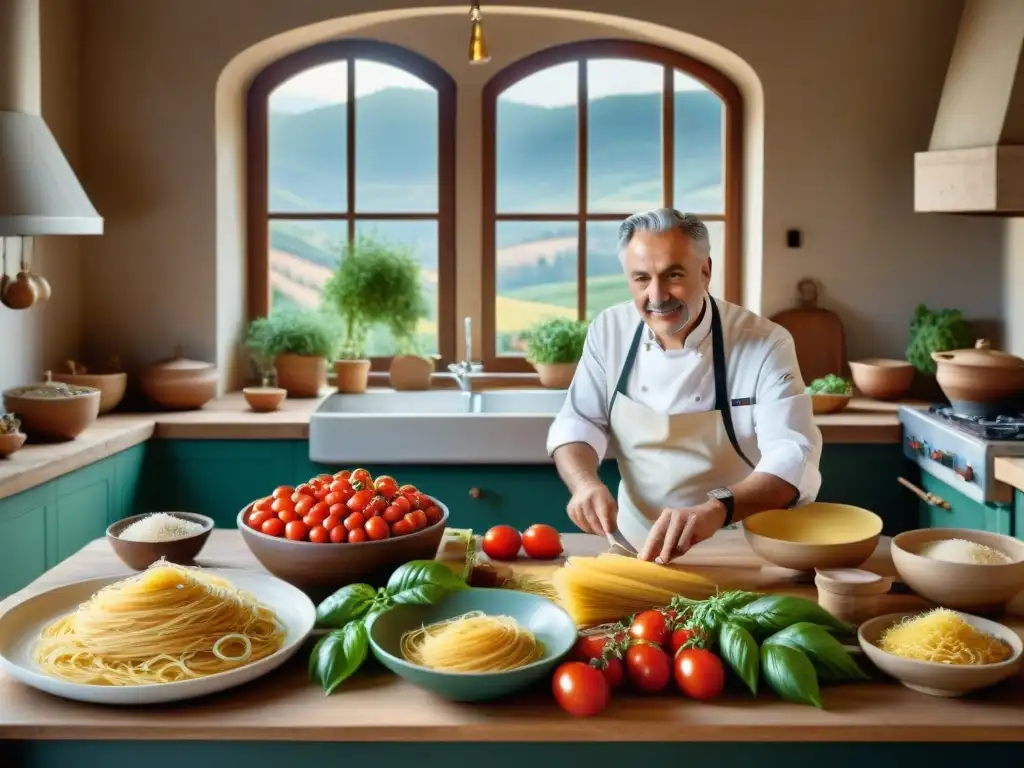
point(323, 568)
point(829, 403)
point(816, 535)
point(21, 626)
point(552, 626)
point(934, 678)
point(959, 585)
point(142, 554)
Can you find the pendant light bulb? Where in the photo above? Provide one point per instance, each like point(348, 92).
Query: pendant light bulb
point(477, 46)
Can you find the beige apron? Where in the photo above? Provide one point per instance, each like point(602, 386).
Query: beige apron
point(672, 460)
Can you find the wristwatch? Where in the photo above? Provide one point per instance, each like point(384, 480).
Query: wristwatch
point(725, 496)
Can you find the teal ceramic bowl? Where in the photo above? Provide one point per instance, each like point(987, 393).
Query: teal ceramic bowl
point(552, 626)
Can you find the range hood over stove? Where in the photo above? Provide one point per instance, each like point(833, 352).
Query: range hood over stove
point(975, 161)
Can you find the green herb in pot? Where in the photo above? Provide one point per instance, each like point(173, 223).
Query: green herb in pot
point(938, 330)
point(832, 384)
point(304, 332)
point(555, 341)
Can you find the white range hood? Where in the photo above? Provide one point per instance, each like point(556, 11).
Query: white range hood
point(39, 193)
point(975, 160)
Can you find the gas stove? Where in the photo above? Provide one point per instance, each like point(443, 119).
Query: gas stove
point(960, 450)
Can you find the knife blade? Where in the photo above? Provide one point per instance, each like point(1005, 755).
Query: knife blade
point(616, 539)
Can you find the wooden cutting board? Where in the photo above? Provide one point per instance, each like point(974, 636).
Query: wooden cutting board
point(817, 333)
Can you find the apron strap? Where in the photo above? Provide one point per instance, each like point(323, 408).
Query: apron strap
point(721, 383)
point(627, 366)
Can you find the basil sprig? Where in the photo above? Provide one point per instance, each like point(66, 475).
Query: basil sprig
point(347, 613)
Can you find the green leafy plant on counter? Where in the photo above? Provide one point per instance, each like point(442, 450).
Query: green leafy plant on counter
point(347, 613)
point(830, 385)
point(938, 330)
point(789, 641)
point(306, 332)
point(558, 340)
point(377, 283)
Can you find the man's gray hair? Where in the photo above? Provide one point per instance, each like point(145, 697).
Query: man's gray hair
point(664, 220)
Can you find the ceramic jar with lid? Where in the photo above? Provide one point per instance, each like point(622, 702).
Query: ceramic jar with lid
point(180, 384)
point(981, 381)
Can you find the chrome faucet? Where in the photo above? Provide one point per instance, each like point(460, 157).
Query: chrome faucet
point(464, 370)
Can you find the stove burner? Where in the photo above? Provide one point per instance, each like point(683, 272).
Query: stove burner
point(1008, 427)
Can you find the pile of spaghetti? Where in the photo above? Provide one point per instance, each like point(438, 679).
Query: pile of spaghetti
point(166, 624)
point(472, 642)
point(943, 636)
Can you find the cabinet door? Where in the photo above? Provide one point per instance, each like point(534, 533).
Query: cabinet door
point(23, 537)
point(963, 512)
point(87, 502)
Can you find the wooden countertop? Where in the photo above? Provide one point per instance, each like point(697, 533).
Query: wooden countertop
point(285, 706)
point(1010, 471)
point(229, 418)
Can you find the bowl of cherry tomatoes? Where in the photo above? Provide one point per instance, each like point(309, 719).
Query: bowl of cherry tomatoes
point(338, 529)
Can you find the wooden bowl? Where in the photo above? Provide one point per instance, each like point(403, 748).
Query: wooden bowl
point(53, 418)
point(829, 403)
point(142, 554)
point(322, 568)
point(11, 442)
point(816, 535)
point(264, 399)
point(934, 678)
point(881, 378)
point(110, 385)
point(959, 585)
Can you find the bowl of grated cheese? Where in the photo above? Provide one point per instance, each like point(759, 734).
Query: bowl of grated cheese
point(177, 537)
point(960, 567)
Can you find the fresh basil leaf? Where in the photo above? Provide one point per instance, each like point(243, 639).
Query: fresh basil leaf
point(739, 649)
point(425, 594)
point(790, 674)
point(348, 603)
point(772, 613)
point(417, 573)
point(338, 655)
point(830, 659)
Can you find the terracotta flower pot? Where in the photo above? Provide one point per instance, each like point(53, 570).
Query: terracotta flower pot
point(351, 376)
point(411, 372)
point(301, 375)
point(555, 375)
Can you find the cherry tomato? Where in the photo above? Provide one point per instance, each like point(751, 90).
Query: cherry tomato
point(434, 514)
point(319, 535)
point(408, 490)
point(401, 528)
point(273, 526)
point(287, 515)
point(333, 498)
point(283, 492)
point(376, 506)
point(303, 505)
point(361, 480)
point(325, 478)
point(342, 475)
point(332, 521)
point(359, 500)
point(377, 529)
point(502, 542)
point(305, 489)
point(403, 503)
point(678, 639)
point(356, 536)
point(280, 505)
point(338, 534)
point(699, 673)
point(589, 647)
point(423, 501)
point(263, 505)
point(542, 542)
point(649, 667)
point(419, 518)
point(296, 530)
point(614, 672)
point(338, 510)
point(355, 520)
point(392, 514)
point(386, 486)
point(651, 626)
point(320, 494)
point(256, 519)
point(579, 689)
point(408, 518)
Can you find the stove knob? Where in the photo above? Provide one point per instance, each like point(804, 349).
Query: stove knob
point(968, 473)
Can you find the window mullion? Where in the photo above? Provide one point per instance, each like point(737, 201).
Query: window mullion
point(668, 135)
point(582, 115)
point(350, 144)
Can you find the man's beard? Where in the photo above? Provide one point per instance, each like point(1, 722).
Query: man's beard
point(668, 307)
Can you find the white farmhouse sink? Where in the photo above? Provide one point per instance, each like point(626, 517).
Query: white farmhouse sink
point(434, 427)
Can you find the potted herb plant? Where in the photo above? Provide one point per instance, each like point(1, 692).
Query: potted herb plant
point(377, 284)
point(299, 342)
point(554, 347)
point(938, 330)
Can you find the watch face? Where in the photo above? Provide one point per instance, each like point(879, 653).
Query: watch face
point(721, 493)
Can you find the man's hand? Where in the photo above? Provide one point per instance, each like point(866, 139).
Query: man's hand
point(676, 530)
point(592, 508)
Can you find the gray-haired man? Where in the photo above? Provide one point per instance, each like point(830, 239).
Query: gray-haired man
point(702, 400)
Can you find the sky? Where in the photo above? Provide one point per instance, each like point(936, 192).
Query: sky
point(555, 86)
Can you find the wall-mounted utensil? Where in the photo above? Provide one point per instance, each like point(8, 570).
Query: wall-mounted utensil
point(817, 334)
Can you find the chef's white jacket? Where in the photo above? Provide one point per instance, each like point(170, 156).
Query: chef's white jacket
point(776, 430)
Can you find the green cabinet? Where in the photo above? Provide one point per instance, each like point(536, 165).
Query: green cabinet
point(23, 536)
point(963, 512)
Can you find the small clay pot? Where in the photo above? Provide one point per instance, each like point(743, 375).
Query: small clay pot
point(411, 372)
point(301, 375)
point(53, 411)
point(882, 378)
point(980, 381)
point(351, 376)
point(180, 384)
point(264, 399)
point(11, 442)
point(555, 375)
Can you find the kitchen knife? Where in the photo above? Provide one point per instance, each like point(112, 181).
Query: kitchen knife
point(616, 539)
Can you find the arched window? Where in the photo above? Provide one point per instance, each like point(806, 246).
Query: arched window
point(578, 137)
point(348, 138)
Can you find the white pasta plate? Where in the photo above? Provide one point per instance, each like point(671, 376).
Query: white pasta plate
point(21, 626)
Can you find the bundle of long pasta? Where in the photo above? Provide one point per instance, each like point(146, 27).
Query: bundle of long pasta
point(595, 590)
point(166, 624)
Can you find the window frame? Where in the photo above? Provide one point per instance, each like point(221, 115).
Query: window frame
point(732, 144)
point(259, 216)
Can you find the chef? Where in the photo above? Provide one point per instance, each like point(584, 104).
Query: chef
point(702, 400)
